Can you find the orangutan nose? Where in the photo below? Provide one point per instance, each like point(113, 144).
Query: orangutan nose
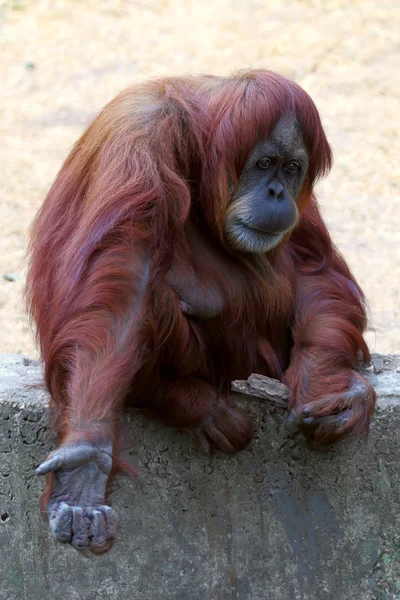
point(275, 190)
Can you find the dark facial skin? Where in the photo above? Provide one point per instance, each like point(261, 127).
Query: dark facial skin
point(262, 210)
point(264, 206)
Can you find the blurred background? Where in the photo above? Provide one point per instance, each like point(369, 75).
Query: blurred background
point(62, 60)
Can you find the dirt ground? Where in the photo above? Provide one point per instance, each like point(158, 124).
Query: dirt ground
point(60, 61)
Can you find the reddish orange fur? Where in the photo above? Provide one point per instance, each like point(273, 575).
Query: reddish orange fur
point(155, 166)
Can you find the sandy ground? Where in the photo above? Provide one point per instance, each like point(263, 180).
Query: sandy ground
point(60, 61)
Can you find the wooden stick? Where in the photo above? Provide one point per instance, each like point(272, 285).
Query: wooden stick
point(263, 387)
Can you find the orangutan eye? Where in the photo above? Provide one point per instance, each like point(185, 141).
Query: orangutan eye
point(264, 163)
point(293, 166)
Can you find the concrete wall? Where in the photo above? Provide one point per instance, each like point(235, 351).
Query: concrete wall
point(276, 522)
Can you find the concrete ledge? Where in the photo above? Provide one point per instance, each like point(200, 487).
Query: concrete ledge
point(276, 522)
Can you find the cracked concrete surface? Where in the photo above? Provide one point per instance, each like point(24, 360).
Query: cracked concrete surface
point(275, 522)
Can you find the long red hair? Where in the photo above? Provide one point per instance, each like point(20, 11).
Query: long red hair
point(159, 157)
